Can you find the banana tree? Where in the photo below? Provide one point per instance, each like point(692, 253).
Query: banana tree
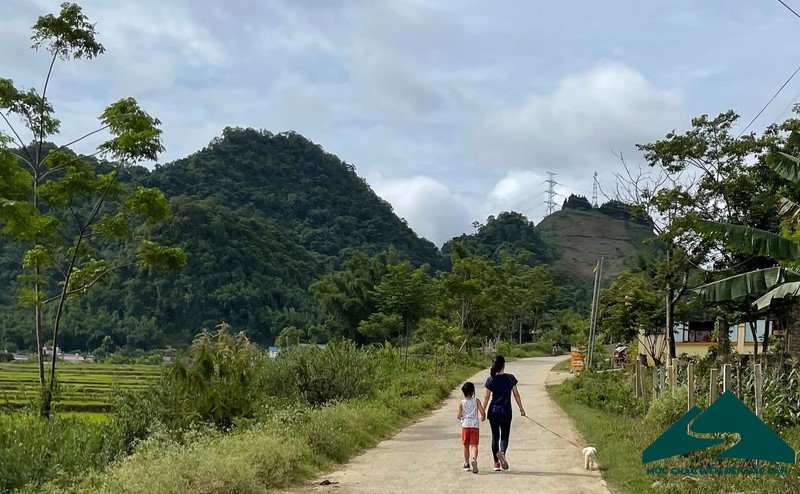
point(775, 283)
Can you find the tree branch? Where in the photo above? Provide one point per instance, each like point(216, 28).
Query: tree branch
point(20, 142)
point(79, 139)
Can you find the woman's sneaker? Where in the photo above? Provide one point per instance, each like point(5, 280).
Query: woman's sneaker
point(474, 464)
point(501, 457)
point(466, 467)
point(496, 467)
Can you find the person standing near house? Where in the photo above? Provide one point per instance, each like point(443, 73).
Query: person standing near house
point(499, 388)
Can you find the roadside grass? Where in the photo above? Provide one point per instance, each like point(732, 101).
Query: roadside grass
point(620, 440)
point(619, 458)
point(564, 365)
point(287, 444)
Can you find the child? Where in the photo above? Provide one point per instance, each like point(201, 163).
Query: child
point(468, 411)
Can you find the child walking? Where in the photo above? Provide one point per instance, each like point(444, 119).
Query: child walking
point(468, 411)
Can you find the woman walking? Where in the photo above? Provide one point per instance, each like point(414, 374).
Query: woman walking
point(499, 387)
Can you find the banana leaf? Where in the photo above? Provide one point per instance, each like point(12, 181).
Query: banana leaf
point(750, 283)
point(789, 210)
point(788, 167)
point(786, 290)
point(742, 238)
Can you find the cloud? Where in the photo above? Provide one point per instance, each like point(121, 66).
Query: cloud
point(431, 209)
point(466, 105)
point(588, 114)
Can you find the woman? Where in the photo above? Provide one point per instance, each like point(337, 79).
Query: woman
point(500, 386)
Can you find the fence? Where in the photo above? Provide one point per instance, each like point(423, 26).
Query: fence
point(651, 382)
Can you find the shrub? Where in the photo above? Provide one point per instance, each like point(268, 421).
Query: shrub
point(667, 409)
point(609, 391)
point(250, 462)
point(215, 386)
point(319, 375)
point(33, 449)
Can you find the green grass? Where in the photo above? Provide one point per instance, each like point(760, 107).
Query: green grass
point(86, 388)
point(564, 365)
point(620, 459)
point(620, 441)
point(309, 439)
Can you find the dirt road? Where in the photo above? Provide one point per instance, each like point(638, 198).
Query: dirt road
point(427, 457)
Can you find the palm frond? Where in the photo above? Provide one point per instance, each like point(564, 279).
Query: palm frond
point(786, 290)
point(750, 283)
point(742, 238)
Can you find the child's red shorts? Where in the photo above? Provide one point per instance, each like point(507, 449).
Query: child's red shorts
point(470, 436)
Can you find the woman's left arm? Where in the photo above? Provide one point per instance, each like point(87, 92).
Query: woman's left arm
point(519, 400)
point(486, 398)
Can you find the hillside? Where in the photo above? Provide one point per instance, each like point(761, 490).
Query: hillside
point(261, 216)
point(580, 238)
point(319, 199)
point(509, 232)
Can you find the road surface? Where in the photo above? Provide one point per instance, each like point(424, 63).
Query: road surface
point(426, 457)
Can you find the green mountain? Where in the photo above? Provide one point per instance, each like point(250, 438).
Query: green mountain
point(319, 199)
point(511, 232)
point(261, 216)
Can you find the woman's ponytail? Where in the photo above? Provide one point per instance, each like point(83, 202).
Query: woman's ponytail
point(498, 364)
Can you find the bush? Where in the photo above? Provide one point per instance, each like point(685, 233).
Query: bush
point(667, 409)
point(244, 463)
point(609, 391)
point(34, 450)
point(319, 375)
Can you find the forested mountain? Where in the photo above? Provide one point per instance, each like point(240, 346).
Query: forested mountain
point(509, 232)
point(262, 217)
point(320, 200)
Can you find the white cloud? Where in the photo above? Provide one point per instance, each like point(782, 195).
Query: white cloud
point(607, 107)
point(430, 208)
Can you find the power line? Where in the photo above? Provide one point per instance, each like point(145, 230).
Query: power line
point(526, 195)
point(770, 101)
point(790, 9)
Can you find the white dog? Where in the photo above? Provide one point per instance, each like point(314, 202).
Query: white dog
point(589, 460)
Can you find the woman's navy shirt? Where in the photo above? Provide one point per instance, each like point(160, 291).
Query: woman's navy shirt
point(500, 386)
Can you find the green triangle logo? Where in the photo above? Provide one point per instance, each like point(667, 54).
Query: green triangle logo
point(726, 415)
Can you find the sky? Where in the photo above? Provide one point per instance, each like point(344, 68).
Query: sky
point(452, 110)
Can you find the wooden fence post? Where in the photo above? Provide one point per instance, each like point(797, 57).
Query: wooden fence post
point(726, 378)
point(712, 387)
point(690, 384)
point(662, 377)
point(671, 373)
point(758, 383)
point(642, 388)
point(655, 384)
point(739, 381)
point(637, 370)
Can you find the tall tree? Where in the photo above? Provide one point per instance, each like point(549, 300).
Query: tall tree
point(405, 292)
point(67, 206)
point(698, 178)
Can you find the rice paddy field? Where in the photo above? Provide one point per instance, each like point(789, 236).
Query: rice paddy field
point(86, 388)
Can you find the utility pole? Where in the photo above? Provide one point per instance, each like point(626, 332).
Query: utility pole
point(598, 275)
point(551, 193)
point(594, 192)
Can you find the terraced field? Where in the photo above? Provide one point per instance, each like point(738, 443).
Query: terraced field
point(82, 387)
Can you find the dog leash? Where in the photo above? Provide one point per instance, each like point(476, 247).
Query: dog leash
point(553, 432)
